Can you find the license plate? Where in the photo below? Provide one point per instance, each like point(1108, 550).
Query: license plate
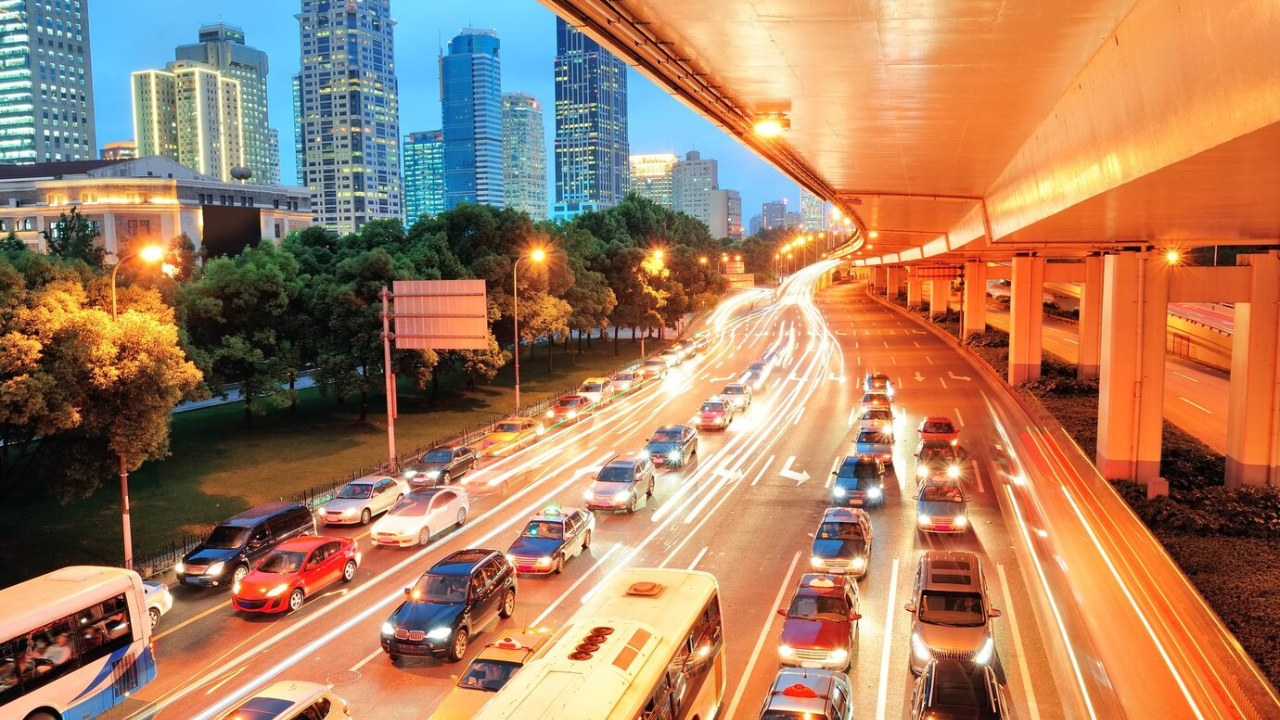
point(810, 664)
point(941, 527)
point(855, 501)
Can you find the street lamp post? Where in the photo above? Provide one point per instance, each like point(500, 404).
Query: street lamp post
point(537, 255)
point(150, 253)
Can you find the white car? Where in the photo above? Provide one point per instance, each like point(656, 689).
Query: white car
point(597, 389)
point(361, 499)
point(292, 699)
point(159, 600)
point(419, 515)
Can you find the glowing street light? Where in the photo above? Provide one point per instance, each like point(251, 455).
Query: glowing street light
point(150, 254)
point(1172, 256)
point(873, 234)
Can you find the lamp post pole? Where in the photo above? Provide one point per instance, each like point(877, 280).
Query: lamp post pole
point(536, 256)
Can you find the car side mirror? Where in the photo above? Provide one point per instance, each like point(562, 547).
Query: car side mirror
point(853, 616)
point(782, 612)
point(810, 534)
point(909, 607)
point(994, 612)
point(833, 472)
point(408, 592)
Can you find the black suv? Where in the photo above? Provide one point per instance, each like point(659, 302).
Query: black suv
point(239, 542)
point(454, 600)
point(955, 690)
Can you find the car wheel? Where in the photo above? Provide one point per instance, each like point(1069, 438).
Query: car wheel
point(445, 478)
point(365, 516)
point(558, 567)
point(399, 497)
point(462, 516)
point(424, 536)
point(458, 649)
point(349, 571)
point(631, 504)
point(238, 574)
point(508, 605)
point(295, 599)
point(154, 614)
point(586, 541)
point(650, 492)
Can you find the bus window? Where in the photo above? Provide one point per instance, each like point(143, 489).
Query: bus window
point(104, 628)
point(659, 705)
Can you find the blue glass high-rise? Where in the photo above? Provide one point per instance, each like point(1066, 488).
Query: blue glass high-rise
point(471, 100)
point(423, 175)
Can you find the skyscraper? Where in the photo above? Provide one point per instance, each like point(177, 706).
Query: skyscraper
point(524, 155)
point(775, 214)
point(811, 209)
point(651, 177)
point(222, 47)
point(692, 181)
point(591, 147)
point(471, 100)
point(189, 112)
point(423, 175)
point(726, 214)
point(348, 112)
point(46, 82)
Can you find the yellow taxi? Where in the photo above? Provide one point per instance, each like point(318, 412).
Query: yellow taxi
point(488, 672)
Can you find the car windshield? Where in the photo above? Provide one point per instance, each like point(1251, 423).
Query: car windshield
point(772, 714)
point(941, 493)
point(624, 377)
point(227, 537)
point(438, 456)
point(713, 407)
point(568, 402)
point(840, 531)
point(356, 491)
point(508, 427)
point(756, 367)
point(283, 562)
point(878, 382)
point(415, 504)
point(591, 387)
point(809, 607)
point(866, 471)
point(938, 427)
point(874, 437)
point(543, 529)
point(875, 398)
point(877, 414)
point(951, 608)
point(615, 473)
point(487, 675)
point(440, 589)
point(937, 454)
point(665, 436)
point(733, 390)
point(655, 364)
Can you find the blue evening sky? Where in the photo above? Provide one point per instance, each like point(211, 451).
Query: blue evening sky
point(129, 35)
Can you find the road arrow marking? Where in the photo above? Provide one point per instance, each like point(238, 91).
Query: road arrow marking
point(835, 378)
point(919, 377)
point(958, 377)
point(787, 472)
point(719, 379)
point(728, 474)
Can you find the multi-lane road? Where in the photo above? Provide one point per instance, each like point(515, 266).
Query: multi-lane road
point(744, 511)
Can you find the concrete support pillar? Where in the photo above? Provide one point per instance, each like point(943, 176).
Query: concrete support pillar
point(915, 292)
point(894, 287)
point(1253, 404)
point(974, 303)
point(879, 276)
point(1090, 319)
point(939, 294)
point(1135, 300)
point(1026, 319)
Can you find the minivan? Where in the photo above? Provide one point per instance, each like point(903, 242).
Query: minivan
point(951, 611)
point(239, 542)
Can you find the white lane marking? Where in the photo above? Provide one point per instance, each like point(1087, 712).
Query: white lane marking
point(852, 412)
point(894, 359)
point(565, 595)
point(760, 474)
point(799, 414)
point(697, 557)
point(764, 635)
point(917, 344)
point(1198, 407)
point(1032, 707)
point(977, 474)
point(1185, 377)
point(1072, 341)
point(886, 343)
point(367, 659)
point(959, 418)
point(882, 695)
point(926, 357)
point(831, 476)
point(944, 383)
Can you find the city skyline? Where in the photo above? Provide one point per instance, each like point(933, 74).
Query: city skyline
point(658, 123)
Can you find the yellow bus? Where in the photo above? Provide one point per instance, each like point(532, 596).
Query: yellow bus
point(647, 645)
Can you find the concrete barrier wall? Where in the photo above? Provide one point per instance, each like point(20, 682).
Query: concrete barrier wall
point(1193, 341)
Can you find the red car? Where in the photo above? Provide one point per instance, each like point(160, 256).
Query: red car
point(939, 427)
point(715, 414)
point(295, 570)
point(569, 409)
point(821, 624)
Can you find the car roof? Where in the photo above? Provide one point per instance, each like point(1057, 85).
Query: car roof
point(808, 588)
point(626, 459)
point(576, 397)
point(462, 562)
point(936, 418)
point(849, 515)
point(514, 647)
point(953, 680)
point(370, 479)
point(671, 428)
point(306, 542)
point(736, 386)
point(516, 418)
point(558, 516)
point(446, 447)
point(595, 380)
point(878, 376)
point(653, 360)
point(954, 570)
point(293, 690)
point(790, 685)
point(262, 512)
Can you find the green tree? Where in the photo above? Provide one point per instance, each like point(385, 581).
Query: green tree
point(72, 237)
point(12, 244)
point(184, 258)
point(481, 365)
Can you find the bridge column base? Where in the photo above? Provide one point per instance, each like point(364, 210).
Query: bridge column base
point(1253, 402)
point(939, 296)
point(915, 292)
point(894, 288)
point(1090, 319)
point(1026, 319)
point(974, 302)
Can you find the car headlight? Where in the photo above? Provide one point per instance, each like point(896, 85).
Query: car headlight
point(623, 495)
point(277, 591)
point(816, 561)
point(960, 521)
point(544, 561)
point(924, 519)
point(215, 569)
point(551, 413)
point(645, 453)
point(348, 512)
point(921, 650)
point(786, 650)
point(179, 568)
point(922, 471)
point(839, 654)
point(875, 493)
point(586, 495)
point(839, 492)
point(859, 563)
point(388, 628)
point(235, 588)
point(434, 474)
point(953, 471)
point(984, 653)
point(675, 455)
point(571, 413)
point(440, 633)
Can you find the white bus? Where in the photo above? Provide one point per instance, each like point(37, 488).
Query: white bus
point(73, 644)
point(648, 645)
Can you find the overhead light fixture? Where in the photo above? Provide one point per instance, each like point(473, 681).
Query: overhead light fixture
point(873, 234)
point(772, 124)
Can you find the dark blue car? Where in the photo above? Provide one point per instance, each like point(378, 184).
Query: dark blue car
point(673, 445)
point(456, 599)
point(550, 538)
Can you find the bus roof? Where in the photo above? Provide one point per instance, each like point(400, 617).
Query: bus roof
point(57, 588)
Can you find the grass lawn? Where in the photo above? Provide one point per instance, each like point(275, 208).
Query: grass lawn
point(220, 466)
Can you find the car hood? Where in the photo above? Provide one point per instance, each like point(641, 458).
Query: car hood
point(498, 437)
point(255, 585)
point(398, 524)
point(839, 548)
point(662, 447)
point(852, 484)
point(343, 504)
point(815, 634)
point(208, 556)
point(534, 547)
point(426, 467)
point(945, 637)
point(711, 413)
point(610, 487)
point(425, 616)
point(940, 509)
point(461, 703)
